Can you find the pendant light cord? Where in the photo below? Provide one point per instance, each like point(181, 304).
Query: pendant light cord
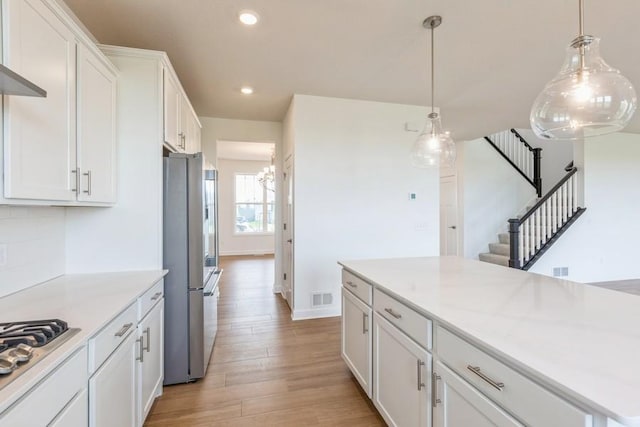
point(581, 28)
point(432, 70)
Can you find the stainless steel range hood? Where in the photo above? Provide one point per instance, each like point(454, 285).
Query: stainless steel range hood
point(14, 84)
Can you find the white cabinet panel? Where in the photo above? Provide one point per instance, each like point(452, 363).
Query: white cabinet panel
point(171, 112)
point(39, 133)
point(112, 392)
point(150, 363)
point(401, 377)
point(96, 129)
point(461, 405)
point(75, 414)
point(356, 338)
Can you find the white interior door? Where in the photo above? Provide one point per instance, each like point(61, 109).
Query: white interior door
point(287, 235)
point(448, 215)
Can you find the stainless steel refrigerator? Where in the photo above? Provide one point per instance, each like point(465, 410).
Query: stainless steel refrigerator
point(190, 253)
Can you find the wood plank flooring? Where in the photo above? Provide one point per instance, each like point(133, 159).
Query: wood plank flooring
point(267, 370)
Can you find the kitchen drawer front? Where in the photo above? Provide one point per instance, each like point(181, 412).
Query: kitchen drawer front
point(357, 286)
point(407, 320)
point(150, 298)
point(43, 403)
point(110, 337)
point(519, 395)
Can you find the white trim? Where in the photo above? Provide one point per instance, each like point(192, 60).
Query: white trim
point(316, 313)
point(277, 289)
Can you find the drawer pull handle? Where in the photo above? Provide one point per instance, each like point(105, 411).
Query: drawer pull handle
point(365, 321)
point(156, 296)
point(350, 283)
point(393, 313)
point(434, 389)
point(495, 384)
point(123, 330)
point(420, 364)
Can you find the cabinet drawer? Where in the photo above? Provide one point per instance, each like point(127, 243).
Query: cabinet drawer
point(110, 337)
point(407, 320)
point(357, 286)
point(41, 405)
point(517, 394)
point(150, 298)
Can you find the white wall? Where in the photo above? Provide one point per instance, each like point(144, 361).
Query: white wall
point(490, 191)
point(352, 181)
point(34, 238)
point(602, 244)
point(230, 242)
point(555, 156)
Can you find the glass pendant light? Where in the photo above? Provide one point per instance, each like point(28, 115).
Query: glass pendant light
point(587, 98)
point(434, 147)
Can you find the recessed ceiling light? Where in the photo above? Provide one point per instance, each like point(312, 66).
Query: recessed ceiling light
point(246, 90)
point(248, 17)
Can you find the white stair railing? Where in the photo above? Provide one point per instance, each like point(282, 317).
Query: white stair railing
point(531, 234)
point(522, 156)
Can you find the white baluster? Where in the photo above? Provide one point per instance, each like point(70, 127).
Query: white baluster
point(574, 180)
point(521, 245)
point(570, 197)
point(532, 240)
point(526, 239)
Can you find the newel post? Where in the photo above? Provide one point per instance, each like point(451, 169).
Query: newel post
point(514, 243)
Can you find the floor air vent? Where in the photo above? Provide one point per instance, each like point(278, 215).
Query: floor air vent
point(320, 299)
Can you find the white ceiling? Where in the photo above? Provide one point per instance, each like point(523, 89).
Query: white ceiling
point(492, 56)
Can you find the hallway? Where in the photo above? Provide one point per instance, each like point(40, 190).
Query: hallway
point(267, 370)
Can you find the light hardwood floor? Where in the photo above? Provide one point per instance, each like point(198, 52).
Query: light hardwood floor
point(267, 370)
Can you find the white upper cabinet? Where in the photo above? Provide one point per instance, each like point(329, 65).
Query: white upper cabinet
point(60, 149)
point(96, 129)
point(39, 133)
point(171, 112)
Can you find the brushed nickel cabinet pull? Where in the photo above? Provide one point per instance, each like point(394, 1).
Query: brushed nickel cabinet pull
point(156, 296)
point(123, 330)
point(76, 178)
point(148, 332)
point(434, 389)
point(493, 383)
point(88, 190)
point(393, 313)
point(350, 283)
point(420, 364)
point(141, 349)
point(365, 321)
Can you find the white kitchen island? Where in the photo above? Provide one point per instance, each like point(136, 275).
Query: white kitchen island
point(490, 345)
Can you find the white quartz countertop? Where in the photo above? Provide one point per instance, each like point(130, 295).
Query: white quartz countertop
point(581, 340)
point(85, 301)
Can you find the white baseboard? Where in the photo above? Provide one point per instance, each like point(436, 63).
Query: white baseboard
point(316, 313)
point(248, 252)
point(277, 289)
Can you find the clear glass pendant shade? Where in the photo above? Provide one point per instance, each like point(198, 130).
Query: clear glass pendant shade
point(587, 98)
point(433, 147)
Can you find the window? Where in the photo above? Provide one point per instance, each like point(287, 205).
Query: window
point(254, 205)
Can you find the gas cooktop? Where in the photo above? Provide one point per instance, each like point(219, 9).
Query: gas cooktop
point(23, 344)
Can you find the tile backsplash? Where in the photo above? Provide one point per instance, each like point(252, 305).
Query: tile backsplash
point(32, 246)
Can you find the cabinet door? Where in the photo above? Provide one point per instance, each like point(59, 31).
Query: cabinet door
point(356, 338)
point(96, 129)
point(401, 377)
point(39, 133)
point(112, 396)
point(171, 111)
point(150, 365)
point(461, 405)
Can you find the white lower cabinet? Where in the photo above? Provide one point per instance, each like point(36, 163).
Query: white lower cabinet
point(460, 405)
point(356, 338)
point(150, 360)
point(75, 414)
point(112, 389)
point(401, 376)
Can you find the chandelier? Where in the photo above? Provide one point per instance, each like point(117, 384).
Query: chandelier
point(267, 176)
